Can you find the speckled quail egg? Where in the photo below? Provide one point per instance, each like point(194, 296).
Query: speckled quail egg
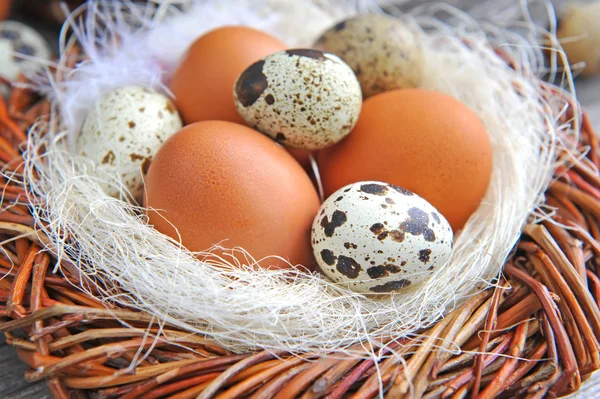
point(378, 238)
point(16, 40)
point(123, 131)
point(301, 98)
point(384, 52)
point(579, 33)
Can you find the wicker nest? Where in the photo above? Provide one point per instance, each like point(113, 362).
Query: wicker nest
point(536, 337)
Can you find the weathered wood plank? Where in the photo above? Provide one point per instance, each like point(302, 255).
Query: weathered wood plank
point(12, 383)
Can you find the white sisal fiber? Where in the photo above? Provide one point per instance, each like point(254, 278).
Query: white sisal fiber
point(241, 308)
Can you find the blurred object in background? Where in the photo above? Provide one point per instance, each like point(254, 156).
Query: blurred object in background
point(579, 34)
point(48, 10)
point(5, 8)
point(21, 49)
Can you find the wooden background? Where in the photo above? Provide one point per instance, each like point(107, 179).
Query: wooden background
point(12, 370)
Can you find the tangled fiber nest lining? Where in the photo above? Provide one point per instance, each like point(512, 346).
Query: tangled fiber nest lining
point(132, 264)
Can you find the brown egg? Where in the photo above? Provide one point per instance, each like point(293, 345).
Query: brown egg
point(218, 181)
point(203, 83)
point(424, 141)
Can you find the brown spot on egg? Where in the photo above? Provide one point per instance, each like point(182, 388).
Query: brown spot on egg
point(377, 272)
point(141, 109)
point(280, 137)
point(109, 158)
point(349, 245)
point(251, 84)
point(391, 286)
point(131, 124)
point(136, 157)
point(269, 99)
point(309, 53)
point(424, 255)
point(146, 164)
point(390, 201)
point(337, 219)
point(401, 190)
point(170, 107)
point(375, 189)
point(328, 257)
point(430, 268)
point(341, 197)
point(339, 26)
point(397, 235)
point(417, 223)
point(383, 270)
point(393, 268)
point(429, 235)
point(348, 267)
point(121, 139)
point(377, 228)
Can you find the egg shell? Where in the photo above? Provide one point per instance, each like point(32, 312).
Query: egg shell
point(223, 183)
point(424, 141)
point(301, 98)
point(579, 32)
point(18, 38)
point(375, 237)
point(384, 52)
point(123, 131)
point(202, 83)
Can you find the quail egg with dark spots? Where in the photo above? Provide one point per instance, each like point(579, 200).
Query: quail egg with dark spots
point(378, 238)
point(123, 131)
point(302, 98)
point(19, 45)
point(384, 52)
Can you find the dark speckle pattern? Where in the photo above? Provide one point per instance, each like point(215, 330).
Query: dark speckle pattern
point(328, 257)
point(124, 131)
point(381, 271)
point(348, 267)
point(373, 188)
point(311, 97)
point(376, 250)
point(401, 190)
point(337, 219)
point(391, 286)
point(424, 255)
point(384, 53)
point(251, 84)
point(339, 26)
point(417, 223)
